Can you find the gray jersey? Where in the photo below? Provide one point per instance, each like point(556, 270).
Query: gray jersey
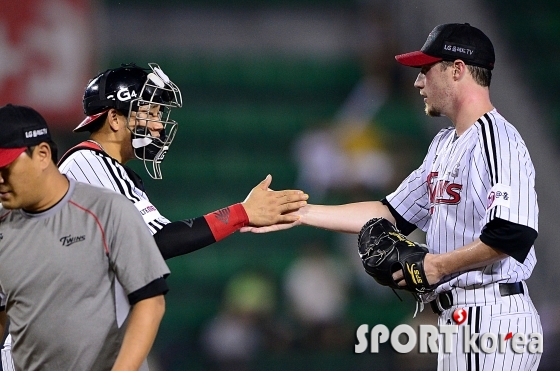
point(59, 269)
point(463, 184)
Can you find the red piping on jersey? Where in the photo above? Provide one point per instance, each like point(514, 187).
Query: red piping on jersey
point(5, 215)
point(87, 144)
point(97, 221)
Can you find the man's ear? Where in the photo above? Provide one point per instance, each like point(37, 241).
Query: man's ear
point(43, 154)
point(113, 119)
point(459, 69)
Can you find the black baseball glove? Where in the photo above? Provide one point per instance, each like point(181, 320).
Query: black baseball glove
point(384, 251)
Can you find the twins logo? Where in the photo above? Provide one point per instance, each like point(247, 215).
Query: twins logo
point(442, 191)
point(69, 240)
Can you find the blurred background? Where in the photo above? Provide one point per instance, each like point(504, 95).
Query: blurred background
point(308, 91)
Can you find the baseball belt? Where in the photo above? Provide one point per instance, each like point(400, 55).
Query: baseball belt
point(444, 300)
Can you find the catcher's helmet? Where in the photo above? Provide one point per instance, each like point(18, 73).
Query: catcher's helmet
point(126, 89)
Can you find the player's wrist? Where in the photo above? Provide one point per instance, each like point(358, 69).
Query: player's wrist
point(440, 268)
point(248, 211)
point(225, 221)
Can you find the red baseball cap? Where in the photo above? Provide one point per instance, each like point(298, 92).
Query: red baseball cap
point(20, 128)
point(8, 155)
point(451, 41)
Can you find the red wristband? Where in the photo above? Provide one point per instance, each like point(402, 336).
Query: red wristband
point(225, 221)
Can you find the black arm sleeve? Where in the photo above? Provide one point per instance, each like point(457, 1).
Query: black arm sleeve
point(405, 227)
point(154, 288)
point(183, 237)
point(510, 238)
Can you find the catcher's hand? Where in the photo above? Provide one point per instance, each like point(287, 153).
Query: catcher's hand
point(384, 251)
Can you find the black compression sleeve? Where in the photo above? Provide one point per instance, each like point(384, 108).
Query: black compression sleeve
point(405, 227)
point(183, 237)
point(154, 288)
point(510, 238)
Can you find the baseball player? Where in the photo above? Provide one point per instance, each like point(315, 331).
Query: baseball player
point(128, 115)
point(474, 196)
point(128, 112)
point(63, 247)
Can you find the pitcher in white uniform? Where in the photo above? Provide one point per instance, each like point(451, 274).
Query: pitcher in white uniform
point(474, 196)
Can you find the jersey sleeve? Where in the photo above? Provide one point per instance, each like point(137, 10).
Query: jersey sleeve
point(98, 169)
point(411, 199)
point(504, 160)
point(133, 253)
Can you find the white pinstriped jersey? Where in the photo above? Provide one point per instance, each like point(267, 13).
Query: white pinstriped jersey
point(99, 169)
point(463, 184)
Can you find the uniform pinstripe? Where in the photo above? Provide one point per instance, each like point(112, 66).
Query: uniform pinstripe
point(99, 169)
point(515, 314)
point(464, 183)
point(7, 361)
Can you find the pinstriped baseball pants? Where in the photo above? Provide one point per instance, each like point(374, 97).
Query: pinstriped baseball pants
point(6, 355)
point(512, 314)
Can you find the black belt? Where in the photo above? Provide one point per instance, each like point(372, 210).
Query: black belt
point(445, 299)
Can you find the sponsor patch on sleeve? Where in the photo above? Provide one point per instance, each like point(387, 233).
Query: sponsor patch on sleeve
point(147, 210)
point(499, 195)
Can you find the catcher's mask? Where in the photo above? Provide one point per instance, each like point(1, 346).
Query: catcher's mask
point(150, 94)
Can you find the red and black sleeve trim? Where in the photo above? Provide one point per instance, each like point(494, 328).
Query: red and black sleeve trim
point(185, 236)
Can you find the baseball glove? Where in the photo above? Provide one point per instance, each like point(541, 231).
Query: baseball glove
point(384, 251)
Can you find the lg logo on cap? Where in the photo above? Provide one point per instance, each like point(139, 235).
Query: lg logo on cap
point(36, 133)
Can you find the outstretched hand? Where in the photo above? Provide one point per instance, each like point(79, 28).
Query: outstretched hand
point(271, 228)
point(266, 207)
